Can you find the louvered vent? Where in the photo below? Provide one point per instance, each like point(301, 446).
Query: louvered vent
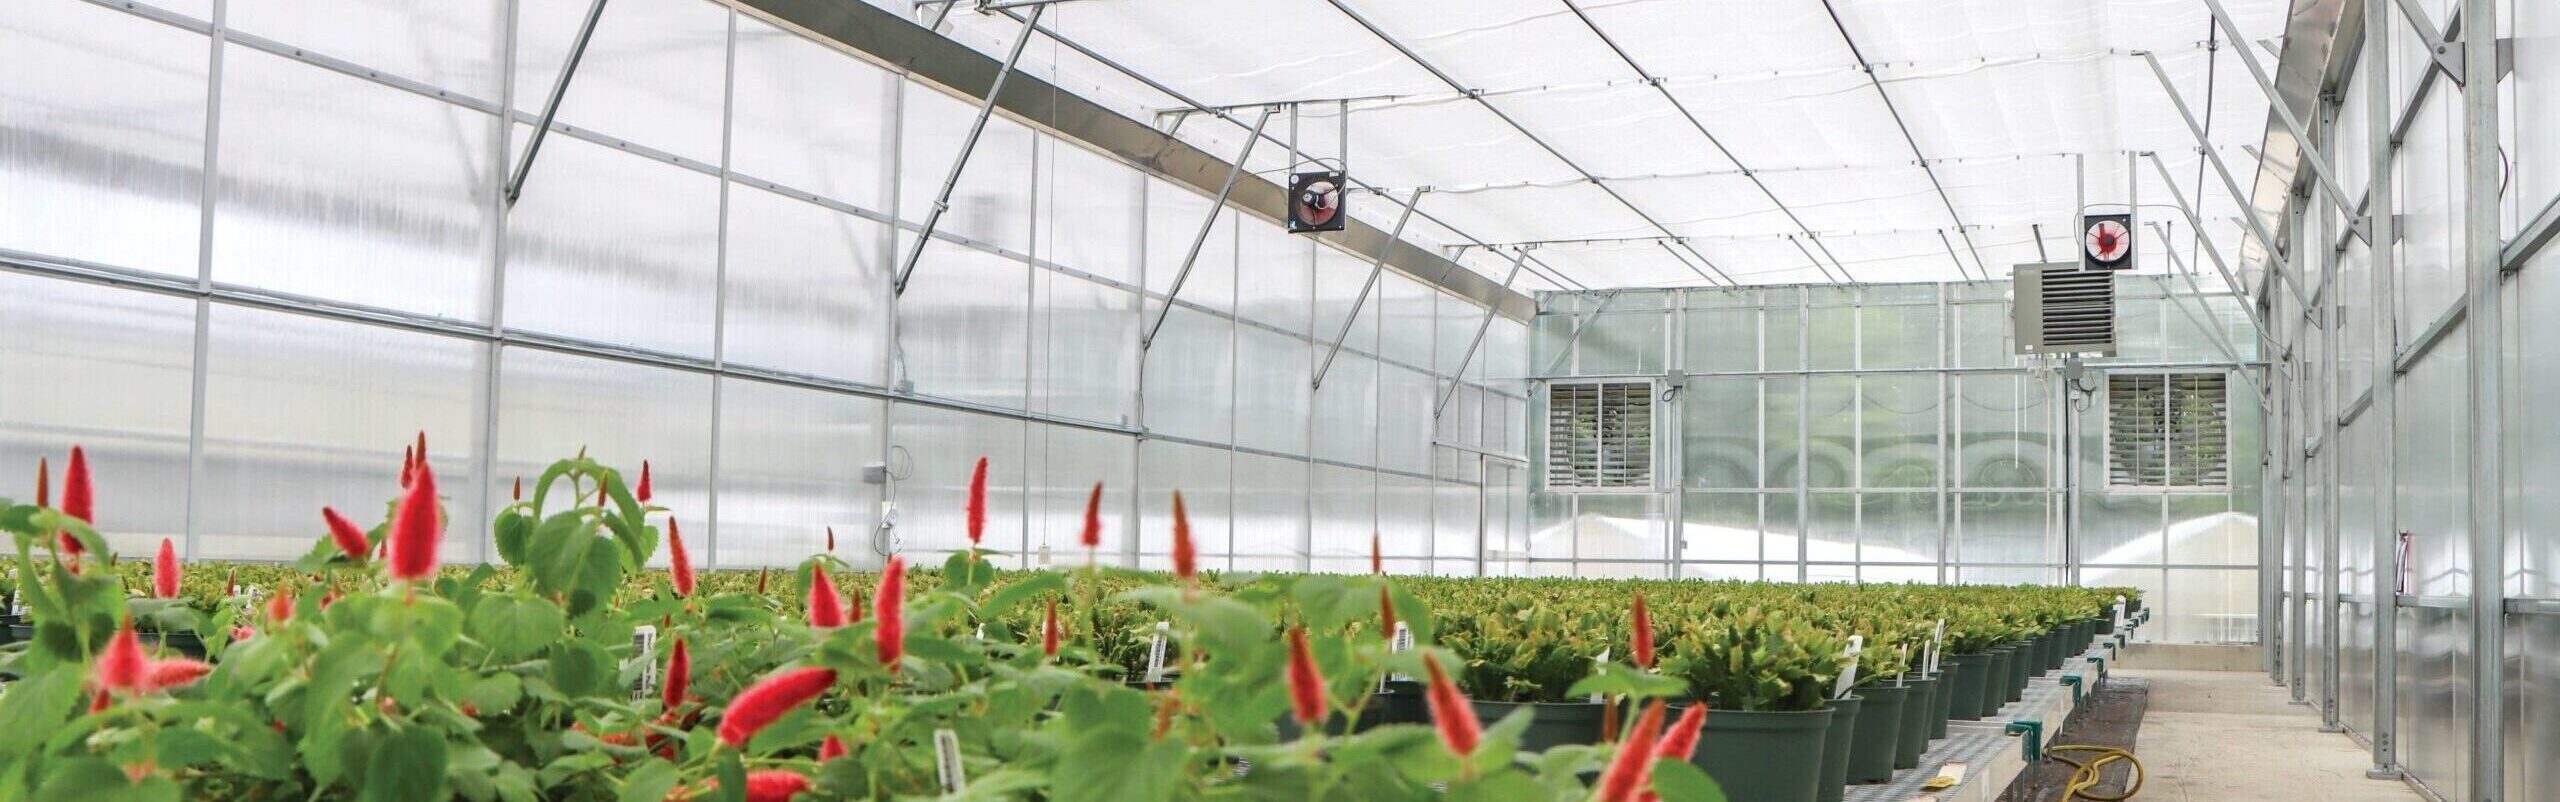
point(2168, 430)
point(2062, 309)
point(1600, 435)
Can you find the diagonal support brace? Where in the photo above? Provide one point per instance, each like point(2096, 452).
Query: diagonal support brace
point(1459, 376)
point(2195, 221)
point(2284, 113)
point(960, 161)
point(1216, 207)
point(551, 106)
point(2257, 227)
point(1394, 238)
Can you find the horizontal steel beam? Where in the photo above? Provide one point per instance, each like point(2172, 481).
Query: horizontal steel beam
point(2516, 606)
point(2436, 602)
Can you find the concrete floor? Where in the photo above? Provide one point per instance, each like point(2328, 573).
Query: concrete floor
point(2217, 736)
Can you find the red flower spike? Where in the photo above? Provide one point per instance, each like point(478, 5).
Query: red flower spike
point(280, 606)
point(1628, 772)
point(1306, 684)
point(853, 607)
point(78, 499)
point(831, 748)
point(1641, 647)
point(1050, 634)
point(174, 673)
point(44, 482)
point(98, 703)
point(231, 585)
point(679, 677)
point(1186, 555)
point(164, 571)
point(122, 666)
point(978, 502)
point(518, 493)
point(243, 633)
point(1386, 614)
point(768, 700)
point(889, 606)
point(831, 540)
point(417, 529)
point(679, 562)
point(1377, 557)
point(422, 447)
point(774, 785)
point(642, 494)
point(760, 575)
point(1681, 741)
point(826, 607)
point(1450, 712)
point(1092, 537)
point(343, 532)
point(408, 465)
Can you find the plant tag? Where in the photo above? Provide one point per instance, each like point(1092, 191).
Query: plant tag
point(1937, 644)
point(2401, 582)
point(982, 631)
point(1902, 654)
point(2119, 611)
point(1402, 641)
point(1044, 554)
point(644, 647)
point(1155, 653)
point(946, 761)
point(1603, 659)
point(1849, 676)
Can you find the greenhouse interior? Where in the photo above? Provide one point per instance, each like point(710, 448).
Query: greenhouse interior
point(1672, 400)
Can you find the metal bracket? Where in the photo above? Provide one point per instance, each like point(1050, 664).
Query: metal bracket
point(2101, 663)
point(960, 161)
point(2072, 681)
point(551, 106)
point(1217, 207)
point(2450, 58)
point(2031, 738)
point(1394, 238)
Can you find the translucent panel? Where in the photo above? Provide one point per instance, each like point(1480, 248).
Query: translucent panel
point(807, 288)
point(1982, 335)
point(1619, 527)
point(653, 73)
point(1784, 336)
point(1898, 422)
point(454, 45)
point(791, 466)
point(934, 450)
point(1453, 329)
point(60, 343)
point(106, 124)
point(1089, 212)
point(992, 202)
point(341, 188)
point(1832, 338)
point(1061, 470)
point(1782, 539)
point(1831, 527)
point(1174, 216)
point(1338, 279)
point(808, 117)
point(1898, 574)
point(1624, 342)
point(1723, 340)
point(613, 247)
point(1274, 275)
point(2004, 436)
point(1720, 433)
point(1405, 325)
point(1721, 526)
point(1403, 435)
point(1404, 516)
point(1455, 510)
point(1085, 348)
point(1782, 406)
point(1190, 377)
point(1898, 337)
point(1345, 505)
point(552, 406)
point(1982, 575)
point(2203, 530)
point(2004, 528)
point(1269, 506)
point(1271, 391)
point(961, 326)
point(1460, 422)
point(1201, 474)
point(302, 412)
point(2121, 528)
point(1346, 411)
point(1898, 527)
point(2212, 606)
point(1832, 422)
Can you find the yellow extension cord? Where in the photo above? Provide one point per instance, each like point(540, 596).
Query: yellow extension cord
point(2085, 776)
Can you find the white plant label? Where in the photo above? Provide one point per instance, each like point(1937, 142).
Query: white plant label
point(1849, 676)
point(644, 647)
point(1401, 642)
point(982, 632)
point(946, 762)
point(1602, 659)
point(1937, 644)
point(1902, 654)
point(2119, 611)
point(1155, 653)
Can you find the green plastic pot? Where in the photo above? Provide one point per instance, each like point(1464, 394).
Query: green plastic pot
point(1764, 756)
point(2060, 652)
point(2107, 624)
point(1402, 702)
point(1835, 748)
point(1555, 723)
point(1917, 707)
point(2020, 669)
point(1946, 696)
point(8, 629)
point(1967, 675)
point(1995, 680)
point(1879, 734)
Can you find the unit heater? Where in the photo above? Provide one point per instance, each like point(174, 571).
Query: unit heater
point(2062, 310)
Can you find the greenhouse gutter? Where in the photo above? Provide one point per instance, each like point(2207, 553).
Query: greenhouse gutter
point(904, 45)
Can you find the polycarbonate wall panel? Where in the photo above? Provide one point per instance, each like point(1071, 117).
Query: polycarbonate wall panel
point(302, 412)
point(697, 273)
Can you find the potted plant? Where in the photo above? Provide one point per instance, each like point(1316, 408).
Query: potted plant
point(1768, 674)
point(1530, 655)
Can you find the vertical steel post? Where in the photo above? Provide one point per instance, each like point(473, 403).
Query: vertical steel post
point(1394, 238)
point(1216, 207)
point(960, 161)
point(2298, 471)
point(2386, 380)
point(2330, 212)
point(2484, 331)
point(551, 106)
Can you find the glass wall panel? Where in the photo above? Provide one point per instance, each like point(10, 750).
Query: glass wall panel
point(456, 45)
point(1624, 342)
point(1190, 377)
point(106, 123)
point(1270, 507)
point(1898, 527)
point(992, 202)
point(1982, 335)
point(2122, 528)
point(1346, 411)
point(1406, 324)
point(932, 453)
point(1782, 407)
point(653, 74)
point(1720, 433)
point(1084, 359)
point(1201, 474)
point(1271, 391)
point(1723, 341)
point(1274, 271)
point(1404, 419)
point(614, 247)
point(1832, 422)
point(807, 289)
point(1831, 337)
point(2004, 528)
point(1345, 504)
point(551, 406)
point(1782, 539)
point(1831, 527)
point(961, 325)
point(1898, 423)
point(1722, 526)
point(1174, 215)
point(1619, 527)
point(1894, 337)
point(1404, 518)
point(807, 117)
point(2004, 440)
point(1062, 463)
point(791, 467)
point(1456, 511)
point(62, 344)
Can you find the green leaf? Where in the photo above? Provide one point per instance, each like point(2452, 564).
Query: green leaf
point(34, 706)
point(407, 766)
point(517, 626)
point(512, 531)
point(578, 669)
point(733, 777)
point(1140, 770)
point(650, 783)
point(1679, 781)
point(97, 780)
